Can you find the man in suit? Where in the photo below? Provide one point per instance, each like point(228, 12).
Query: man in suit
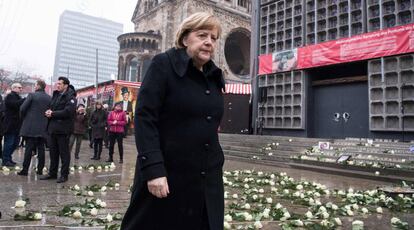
point(127, 107)
point(12, 123)
point(61, 117)
point(34, 126)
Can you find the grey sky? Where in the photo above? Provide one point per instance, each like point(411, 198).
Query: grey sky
point(28, 29)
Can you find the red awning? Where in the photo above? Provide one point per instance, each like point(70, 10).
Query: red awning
point(238, 89)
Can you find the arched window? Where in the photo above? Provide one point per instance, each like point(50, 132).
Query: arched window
point(132, 70)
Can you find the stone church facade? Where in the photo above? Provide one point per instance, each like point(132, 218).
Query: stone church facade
point(156, 22)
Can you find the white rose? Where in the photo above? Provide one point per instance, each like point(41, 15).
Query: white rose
point(377, 173)
point(282, 183)
point(20, 204)
point(273, 189)
point(247, 206)
point(349, 212)
point(37, 216)
point(228, 218)
point(392, 151)
point(379, 210)
point(76, 187)
point(357, 225)
point(324, 223)
point(103, 204)
point(355, 206)
point(322, 209)
point(350, 190)
point(364, 210)
point(309, 215)
point(91, 168)
point(296, 194)
point(72, 168)
point(286, 191)
point(325, 215)
point(94, 211)
point(395, 220)
point(278, 206)
point(298, 223)
point(117, 185)
point(290, 140)
point(103, 188)
point(98, 202)
point(272, 176)
point(17, 168)
point(270, 154)
point(248, 217)
point(318, 202)
point(316, 194)
point(5, 169)
point(246, 186)
point(80, 168)
point(299, 187)
point(269, 200)
point(254, 197)
point(226, 225)
point(260, 173)
point(334, 207)
point(99, 168)
point(77, 215)
point(338, 221)
point(261, 190)
point(112, 165)
point(258, 225)
point(109, 218)
point(235, 196)
point(226, 194)
point(90, 193)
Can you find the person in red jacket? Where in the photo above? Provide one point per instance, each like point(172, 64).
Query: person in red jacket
point(116, 123)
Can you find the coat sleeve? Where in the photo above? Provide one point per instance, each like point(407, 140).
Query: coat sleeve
point(147, 113)
point(13, 102)
point(25, 106)
point(67, 112)
point(110, 119)
point(123, 121)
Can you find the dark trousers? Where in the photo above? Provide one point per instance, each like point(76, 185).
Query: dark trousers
point(11, 141)
point(34, 144)
point(78, 139)
point(1, 147)
point(59, 148)
point(97, 147)
point(119, 138)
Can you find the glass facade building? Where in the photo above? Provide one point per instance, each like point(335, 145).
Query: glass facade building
point(79, 38)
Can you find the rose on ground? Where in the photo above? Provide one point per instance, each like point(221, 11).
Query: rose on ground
point(77, 214)
point(103, 204)
point(338, 221)
point(258, 225)
point(109, 218)
point(357, 225)
point(228, 218)
point(94, 211)
point(37, 216)
point(103, 188)
point(309, 215)
point(20, 204)
point(226, 225)
point(90, 193)
point(379, 210)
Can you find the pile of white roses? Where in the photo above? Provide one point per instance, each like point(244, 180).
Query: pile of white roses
point(256, 198)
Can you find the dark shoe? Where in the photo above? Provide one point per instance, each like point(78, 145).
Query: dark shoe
point(91, 146)
point(14, 163)
point(39, 173)
point(110, 160)
point(62, 179)
point(8, 164)
point(93, 158)
point(48, 177)
point(22, 173)
point(98, 158)
point(121, 161)
point(77, 157)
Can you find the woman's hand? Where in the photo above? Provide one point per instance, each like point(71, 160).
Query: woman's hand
point(158, 187)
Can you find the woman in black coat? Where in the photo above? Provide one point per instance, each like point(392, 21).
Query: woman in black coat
point(178, 178)
point(98, 124)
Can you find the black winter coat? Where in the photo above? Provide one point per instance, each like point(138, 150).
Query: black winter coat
point(176, 120)
point(12, 121)
point(63, 108)
point(98, 123)
point(32, 112)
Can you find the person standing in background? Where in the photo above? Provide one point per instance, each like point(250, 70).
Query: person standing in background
point(116, 122)
point(34, 126)
point(2, 110)
point(61, 119)
point(127, 108)
point(81, 123)
point(12, 123)
point(98, 124)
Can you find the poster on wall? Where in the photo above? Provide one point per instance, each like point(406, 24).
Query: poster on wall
point(381, 43)
point(127, 95)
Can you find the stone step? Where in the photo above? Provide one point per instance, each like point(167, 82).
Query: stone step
point(374, 154)
point(276, 157)
point(353, 173)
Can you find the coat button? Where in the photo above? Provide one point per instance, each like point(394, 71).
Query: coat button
point(144, 158)
point(208, 92)
point(207, 146)
point(208, 118)
point(203, 173)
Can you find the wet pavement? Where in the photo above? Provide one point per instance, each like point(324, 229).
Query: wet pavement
point(49, 198)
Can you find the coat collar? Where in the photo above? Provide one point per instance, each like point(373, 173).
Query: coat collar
point(180, 62)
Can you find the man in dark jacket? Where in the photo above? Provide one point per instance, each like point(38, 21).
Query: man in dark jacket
point(2, 110)
point(61, 119)
point(11, 123)
point(34, 126)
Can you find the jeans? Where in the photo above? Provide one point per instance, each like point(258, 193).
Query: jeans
point(78, 139)
point(11, 141)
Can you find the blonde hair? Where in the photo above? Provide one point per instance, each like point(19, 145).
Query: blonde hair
point(196, 21)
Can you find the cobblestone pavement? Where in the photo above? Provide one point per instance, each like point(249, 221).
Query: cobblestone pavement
point(49, 197)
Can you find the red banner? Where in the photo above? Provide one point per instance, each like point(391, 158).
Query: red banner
point(392, 41)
